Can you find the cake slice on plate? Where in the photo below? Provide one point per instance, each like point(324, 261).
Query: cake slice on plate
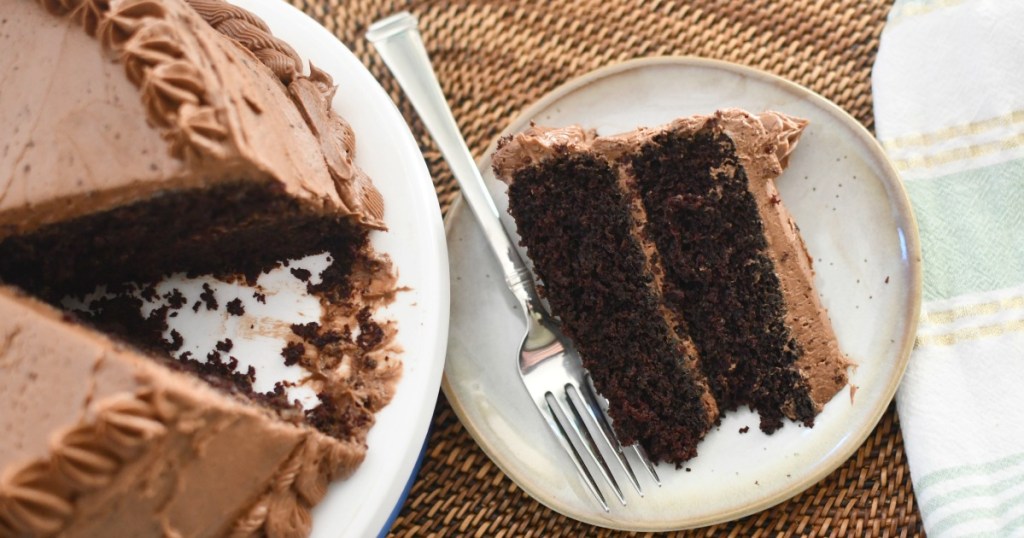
point(677, 271)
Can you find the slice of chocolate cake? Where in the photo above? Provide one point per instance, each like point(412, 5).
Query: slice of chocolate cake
point(677, 271)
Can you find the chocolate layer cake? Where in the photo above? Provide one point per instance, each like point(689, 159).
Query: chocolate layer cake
point(149, 137)
point(677, 271)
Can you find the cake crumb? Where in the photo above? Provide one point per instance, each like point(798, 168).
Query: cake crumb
point(260, 297)
point(301, 274)
point(370, 333)
point(195, 307)
point(306, 331)
point(149, 293)
point(208, 297)
point(176, 341)
point(234, 307)
point(224, 345)
point(292, 353)
point(887, 279)
point(745, 429)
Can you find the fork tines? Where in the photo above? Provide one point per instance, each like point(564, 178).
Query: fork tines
point(581, 426)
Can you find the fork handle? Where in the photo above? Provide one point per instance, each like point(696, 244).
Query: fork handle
point(397, 40)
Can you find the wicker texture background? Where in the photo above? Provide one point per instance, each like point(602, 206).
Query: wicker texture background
point(494, 58)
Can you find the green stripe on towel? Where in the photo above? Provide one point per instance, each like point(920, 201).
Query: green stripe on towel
point(980, 490)
point(953, 473)
point(972, 229)
point(973, 514)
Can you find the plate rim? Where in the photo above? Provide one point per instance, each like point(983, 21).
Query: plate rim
point(283, 13)
point(898, 199)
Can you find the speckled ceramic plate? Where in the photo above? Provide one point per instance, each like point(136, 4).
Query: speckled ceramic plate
point(361, 505)
point(858, 226)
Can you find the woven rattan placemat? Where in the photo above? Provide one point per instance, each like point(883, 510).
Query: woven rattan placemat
point(494, 58)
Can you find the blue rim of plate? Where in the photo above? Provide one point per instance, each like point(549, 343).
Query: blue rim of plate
point(386, 528)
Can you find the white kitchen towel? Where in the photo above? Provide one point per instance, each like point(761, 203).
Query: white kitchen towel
point(949, 109)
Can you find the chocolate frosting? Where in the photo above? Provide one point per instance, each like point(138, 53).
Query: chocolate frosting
point(176, 454)
point(197, 107)
point(312, 95)
point(252, 33)
point(763, 143)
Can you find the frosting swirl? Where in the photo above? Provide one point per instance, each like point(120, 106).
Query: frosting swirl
point(31, 503)
point(88, 13)
point(203, 130)
point(127, 422)
point(167, 87)
point(82, 459)
point(124, 19)
point(252, 33)
point(37, 499)
point(785, 131)
point(150, 46)
point(284, 509)
point(252, 522)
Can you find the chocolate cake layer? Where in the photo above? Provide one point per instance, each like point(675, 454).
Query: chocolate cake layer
point(240, 227)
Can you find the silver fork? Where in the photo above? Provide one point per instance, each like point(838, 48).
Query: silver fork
point(548, 362)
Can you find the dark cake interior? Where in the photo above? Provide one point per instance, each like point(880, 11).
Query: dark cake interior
point(575, 222)
point(235, 231)
point(219, 230)
point(697, 201)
